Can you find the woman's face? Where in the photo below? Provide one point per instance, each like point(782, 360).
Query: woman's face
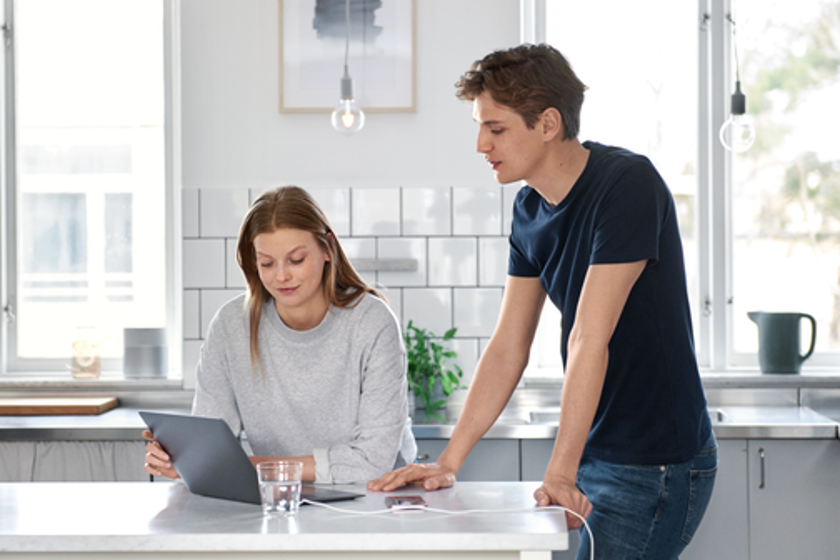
point(291, 266)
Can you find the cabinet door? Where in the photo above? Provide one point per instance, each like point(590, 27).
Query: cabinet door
point(794, 499)
point(535, 456)
point(490, 460)
point(72, 461)
point(723, 533)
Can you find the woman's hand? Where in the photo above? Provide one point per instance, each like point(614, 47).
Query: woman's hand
point(562, 493)
point(157, 460)
point(434, 476)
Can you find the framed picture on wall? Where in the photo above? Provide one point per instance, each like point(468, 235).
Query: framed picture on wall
point(377, 41)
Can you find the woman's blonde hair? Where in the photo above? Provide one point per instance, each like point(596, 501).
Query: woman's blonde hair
point(293, 207)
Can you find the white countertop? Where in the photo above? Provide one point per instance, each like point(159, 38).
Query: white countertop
point(123, 517)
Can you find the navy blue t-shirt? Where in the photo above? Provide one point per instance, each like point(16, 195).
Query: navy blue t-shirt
point(652, 408)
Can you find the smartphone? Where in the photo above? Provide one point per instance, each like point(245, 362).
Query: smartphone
point(407, 502)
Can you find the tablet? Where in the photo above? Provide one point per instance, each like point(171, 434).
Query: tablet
point(211, 460)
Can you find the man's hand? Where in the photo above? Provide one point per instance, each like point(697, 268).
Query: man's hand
point(433, 476)
point(157, 460)
point(563, 493)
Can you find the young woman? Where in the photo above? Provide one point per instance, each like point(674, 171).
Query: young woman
point(309, 363)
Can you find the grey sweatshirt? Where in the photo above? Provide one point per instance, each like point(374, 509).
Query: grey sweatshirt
point(337, 392)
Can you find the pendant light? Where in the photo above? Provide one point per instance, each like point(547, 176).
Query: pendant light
point(737, 133)
point(347, 117)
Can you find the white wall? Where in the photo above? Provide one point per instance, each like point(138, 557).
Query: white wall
point(235, 137)
point(435, 200)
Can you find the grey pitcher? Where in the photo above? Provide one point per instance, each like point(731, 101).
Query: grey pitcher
point(778, 341)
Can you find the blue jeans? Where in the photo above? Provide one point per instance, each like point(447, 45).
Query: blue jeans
point(646, 511)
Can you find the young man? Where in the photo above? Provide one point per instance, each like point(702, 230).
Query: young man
point(595, 230)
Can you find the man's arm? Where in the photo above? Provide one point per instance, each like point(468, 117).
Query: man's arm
point(602, 301)
point(496, 376)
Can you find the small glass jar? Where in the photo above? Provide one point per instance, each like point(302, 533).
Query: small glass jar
point(85, 363)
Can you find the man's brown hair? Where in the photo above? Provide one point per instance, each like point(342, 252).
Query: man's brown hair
point(529, 79)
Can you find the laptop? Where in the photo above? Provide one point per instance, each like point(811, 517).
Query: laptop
point(212, 463)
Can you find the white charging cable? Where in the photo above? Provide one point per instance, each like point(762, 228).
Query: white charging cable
point(409, 507)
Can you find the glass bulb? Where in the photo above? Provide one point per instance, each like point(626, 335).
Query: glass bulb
point(348, 117)
point(737, 134)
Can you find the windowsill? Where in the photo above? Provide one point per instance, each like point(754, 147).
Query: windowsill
point(63, 382)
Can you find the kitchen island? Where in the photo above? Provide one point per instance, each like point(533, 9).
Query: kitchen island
point(164, 520)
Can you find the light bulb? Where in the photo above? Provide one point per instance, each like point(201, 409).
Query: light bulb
point(347, 117)
point(737, 134)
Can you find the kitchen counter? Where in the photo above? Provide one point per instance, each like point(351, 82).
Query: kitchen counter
point(728, 422)
point(533, 412)
point(532, 422)
point(60, 520)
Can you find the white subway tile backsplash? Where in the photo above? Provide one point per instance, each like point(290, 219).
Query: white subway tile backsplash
point(189, 212)
point(211, 301)
point(476, 310)
point(192, 312)
point(427, 211)
point(221, 211)
point(204, 263)
point(191, 351)
point(467, 350)
point(493, 261)
point(508, 195)
point(482, 346)
point(376, 211)
point(452, 261)
point(457, 235)
point(477, 211)
point(234, 278)
point(428, 308)
point(359, 247)
point(394, 297)
point(335, 202)
point(403, 248)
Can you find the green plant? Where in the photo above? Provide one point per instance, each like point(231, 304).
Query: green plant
point(429, 365)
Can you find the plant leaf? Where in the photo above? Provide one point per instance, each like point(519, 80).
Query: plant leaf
point(446, 382)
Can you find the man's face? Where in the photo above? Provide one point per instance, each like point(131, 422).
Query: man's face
point(513, 150)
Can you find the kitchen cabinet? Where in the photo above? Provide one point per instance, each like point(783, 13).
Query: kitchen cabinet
point(72, 461)
point(773, 499)
point(495, 460)
point(794, 498)
point(724, 532)
point(535, 455)
point(723, 535)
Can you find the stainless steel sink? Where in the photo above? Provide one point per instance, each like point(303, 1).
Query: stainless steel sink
point(719, 416)
point(539, 420)
point(551, 416)
point(545, 416)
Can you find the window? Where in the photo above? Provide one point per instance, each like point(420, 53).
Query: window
point(785, 190)
point(640, 96)
point(87, 196)
point(761, 230)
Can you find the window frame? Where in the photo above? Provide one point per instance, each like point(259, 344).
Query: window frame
point(714, 321)
point(13, 368)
